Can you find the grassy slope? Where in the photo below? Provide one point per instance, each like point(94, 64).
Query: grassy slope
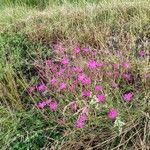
point(22, 27)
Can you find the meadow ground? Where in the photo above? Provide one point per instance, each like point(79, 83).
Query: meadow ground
point(75, 74)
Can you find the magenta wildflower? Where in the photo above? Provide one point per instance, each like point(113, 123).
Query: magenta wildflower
point(113, 113)
point(146, 75)
point(142, 53)
point(86, 49)
point(80, 123)
point(41, 87)
point(73, 86)
point(53, 81)
point(114, 85)
point(77, 69)
point(100, 64)
point(65, 61)
point(127, 76)
point(128, 96)
point(59, 47)
point(48, 101)
point(116, 74)
point(126, 65)
point(41, 105)
point(98, 88)
point(31, 89)
point(49, 62)
point(86, 93)
point(53, 105)
point(86, 81)
point(116, 66)
point(81, 77)
point(101, 98)
point(77, 50)
point(73, 106)
point(92, 64)
point(61, 72)
point(63, 86)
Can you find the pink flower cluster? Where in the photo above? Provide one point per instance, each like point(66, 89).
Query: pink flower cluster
point(52, 104)
point(80, 123)
point(92, 64)
point(86, 93)
point(84, 79)
point(128, 96)
point(77, 74)
point(113, 113)
point(41, 87)
point(101, 98)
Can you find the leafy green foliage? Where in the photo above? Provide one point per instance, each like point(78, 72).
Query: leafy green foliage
point(19, 52)
point(27, 130)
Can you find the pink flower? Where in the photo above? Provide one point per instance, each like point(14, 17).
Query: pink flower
point(127, 76)
point(94, 53)
point(31, 89)
point(48, 101)
point(86, 49)
point(98, 88)
point(65, 61)
point(101, 98)
point(126, 65)
point(116, 66)
point(53, 81)
point(77, 69)
point(41, 105)
point(86, 81)
point(100, 64)
point(53, 105)
point(49, 62)
point(142, 53)
point(73, 86)
point(80, 123)
point(92, 64)
point(41, 87)
point(61, 72)
point(77, 50)
point(81, 77)
point(128, 96)
point(86, 93)
point(113, 113)
point(116, 74)
point(146, 75)
point(73, 106)
point(63, 86)
point(59, 47)
point(114, 85)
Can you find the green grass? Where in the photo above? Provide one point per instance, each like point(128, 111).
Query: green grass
point(27, 130)
point(27, 31)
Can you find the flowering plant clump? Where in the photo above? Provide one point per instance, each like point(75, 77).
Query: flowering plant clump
point(73, 76)
point(128, 96)
point(113, 113)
